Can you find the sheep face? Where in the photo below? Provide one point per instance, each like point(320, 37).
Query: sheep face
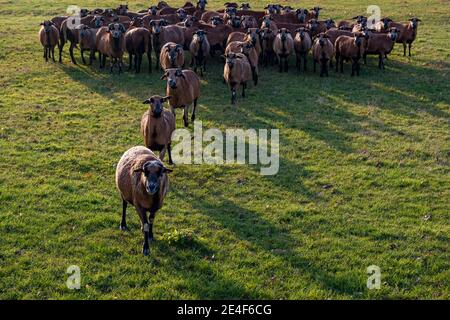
point(84, 12)
point(156, 25)
point(235, 22)
point(181, 13)
point(245, 6)
point(151, 174)
point(156, 105)
point(202, 4)
point(99, 21)
point(254, 34)
point(189, 21)
point(47, 25)
point(247, 21)
point(230, 12)
point(265, 33)
point(329, 23)
point(137, 22)
point(246, 47)
point(216, 20)
point(316, 11)
point(393, 33)
point(287, 9)
point(283, 33)
point(153, 10)
point(230, 59)
point(267, 20)
point(301, 32)
point(122, 9)
point(386, 22)
point(200, 35)
point(116, 30)
point(301, 15)
point(172, 76)
point(414, 22)
point(271, 8)
point(174, 51)
point(322, 39)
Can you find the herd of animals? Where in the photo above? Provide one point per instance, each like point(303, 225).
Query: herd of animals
point(245, 38)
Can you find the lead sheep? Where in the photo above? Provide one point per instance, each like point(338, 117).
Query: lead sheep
point(143, 182)
point(237, 72)
point(49, 37)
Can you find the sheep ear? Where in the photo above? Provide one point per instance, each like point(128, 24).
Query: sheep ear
point(164, 99)
point(167, 170)
point(146, 101)
point(140, 170)
point(164, 76)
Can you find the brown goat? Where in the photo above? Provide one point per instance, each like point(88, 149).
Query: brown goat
point(302, 45)
point(199, 49)
point(407, 33)
point(322, 53)
point(157, 126)
point(137, 42)
point(112, 44)
point(183, 87)
point(350, 48)
point(142, 182)
point(49, 38)
point(237, 72)
point(283, 46)
point(380, 44)
point(172, 56)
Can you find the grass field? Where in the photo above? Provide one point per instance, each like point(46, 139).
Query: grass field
point(364, 176)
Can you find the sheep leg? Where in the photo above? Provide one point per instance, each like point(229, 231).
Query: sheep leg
point(233, 95)
point(280, 69)
point(193, 110)
point(162, 153)
point(254, 76)
point(326, 67)
point(404, 49)
point(297, 62)
point(72, 45)
point(103, 61)
point(130, 61)
point(123, 223)
point(119, 61)
point(45, 54)
point(145, 229)
point(91, 56)
point(151, 218)
point(185, 116)
point(53, 54)
point(60, 47)
point(140, 63)
point(286, 62)
point(82, 56)
point(149, 57)
point(169, 151)
point(341, 60)
point(305, 59)
point(365, 59)
point(244, 84)
point(314, 64)
point(409, 49)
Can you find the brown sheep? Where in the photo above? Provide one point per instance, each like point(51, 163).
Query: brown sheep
point(252, 34)
point(87, 42)
point(217, 36)
point(183, 87)
point(199, 49)
point(137, 42)
point(302, 45)
point(333, 34)
point(156, 27)
point(234, 21)
point(267, 38)
point(249, 22)
point(245, 6)
point(49, 37)
point(208, 15)
point(112, 44)
point(172, 56)
point(248, 49)
point(283, 46)
point(407, 33)
point(317, 26)
point(322, 53)
point(268, 22)
point(380, 44)
point(157, 126)
point(142, 182)
point(237, 71)
point(382, 25)
point(347, 48)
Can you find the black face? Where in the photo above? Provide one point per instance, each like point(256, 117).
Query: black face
point(174, 51)
point(84, 12)
point(393, 33)
point(202, 4)
point(230, 59)
point(47, 25)
point(415, 22)
point(329, 23)
point(181, 13)
point(153, 171)
point(235, 22)
point(201, 34)
point(156, 105)
point(116, 30)
point(99, 21)
point(245, 6)
point(313, 24)
point(216, 20)
point(153, 10)
point(172, 75)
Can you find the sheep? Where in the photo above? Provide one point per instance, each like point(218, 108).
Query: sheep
point(350, 48)
point(201, 5)
point(234, 21)
point(333, 34)
point(208, 15)
point(199, 50)
point(252, 34)
point(156, 27)
point(49, 37)
point(283, 46)
point(268, 22)
point(287, 10)
point(314, 12)
point(302, 15)
point(322, 53)
point(157, 126)
point(245, 6)
point(183, 87)
point(382, 25)
point(380, 44)
point(248, 49)
point(142, 181)
point(347, 25)
point(302, 45)
point(172, 56)
point(112, 44)
point(87, 42)
point(317, 26)
point(217, 36)
point(267, 38)
point(237, 71)
point(138, 42)
point(248, 21)
point(407, 33)
point(272, 8)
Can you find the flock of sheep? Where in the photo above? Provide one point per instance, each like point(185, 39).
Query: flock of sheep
point(246, 39)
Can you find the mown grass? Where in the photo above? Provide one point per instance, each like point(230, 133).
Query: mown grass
point(364, 176)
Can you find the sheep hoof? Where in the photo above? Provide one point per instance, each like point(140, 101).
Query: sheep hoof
point(145, 251)
point(123, 227)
